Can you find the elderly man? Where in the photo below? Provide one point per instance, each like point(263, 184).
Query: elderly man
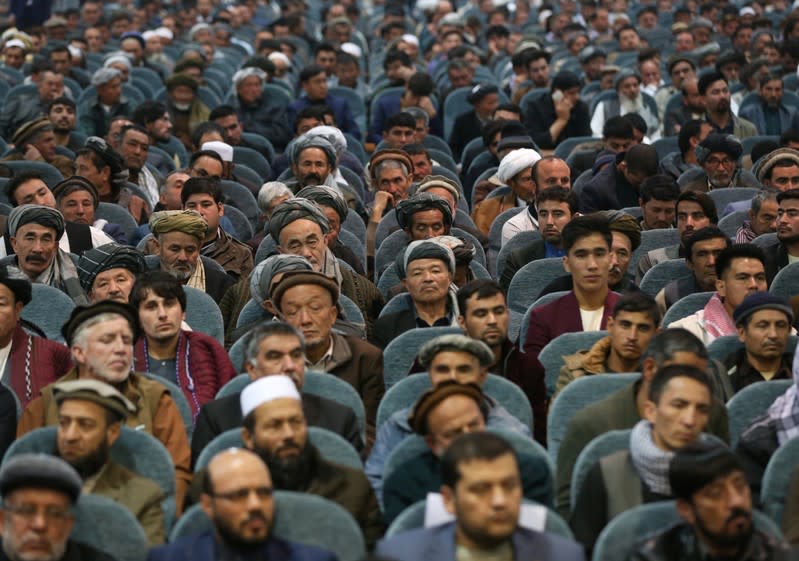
point(101, 338)
point(34, 231)
point(714, 87)
point(192, 360)
point(769, 114)
point(300, 227)
point(259, 113)
point(442, 413)
point(37, 483)
point(238, 525)
point(390, 177)
point(313, 162)
point(762, 216)
point(714, 501)
point(483, 523)
point(629, 478)
point(24, 108)
point(186, 110)
point(204, 196)
point(551, 119)
point(178, 237)
point(90, 418)
point(630, 99)
point(134, 144)
point(427, 270)
point(77, 199)
point(515, 171)
point(448, 357)
point(719, 156)
point(274, 348)
point(617, 185)
point(109, 271)
point(424, 216)
point(95, 117)
point(105, 168)
point(740, 271)
point(294, 462)
point(34, 141)
point(307, 301)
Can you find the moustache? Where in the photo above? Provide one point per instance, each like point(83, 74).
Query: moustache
point(738, 513)
point(315, 176)
point(35, 259)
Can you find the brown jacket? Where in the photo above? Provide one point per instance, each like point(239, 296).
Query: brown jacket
point(487, 210)
point(584, 363)
point(156, 413)
point(234, 256)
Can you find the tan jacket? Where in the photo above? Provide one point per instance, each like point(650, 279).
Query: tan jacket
point(584, 363)
point(487, 210)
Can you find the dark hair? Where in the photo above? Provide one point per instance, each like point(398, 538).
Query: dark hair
point(97, 161)
point(200, 153)
point(738, 251)
point(664, 345)
point(268, 329)
point(483, 288)
point(703, 200)
point(324, 47)
point(60, 49)
point(665, 374)
point(221, 111)
point(395, 55)
point(421, 84)
point(511, 108)
point(310, 112)
point(147, 112)
point(309, 72)
point(636, 121)
point(400, 119)
point(584, 226)
point(617, 127)
point(659, 187)
point(17, 181)
point(642, 159)
point(701, 235)
point(763, 148)
point(638, 301)
point(627, 27)
point(204, 128)
point(346, 58)
point(63, 100)
point(469, 447)
point(134, 127)
point(201, 185)
point(705, 80)
point(159, 283)
point(791, 135)
point(688, 131)
point(416, 150)
point(560, 195)
point(490, 130)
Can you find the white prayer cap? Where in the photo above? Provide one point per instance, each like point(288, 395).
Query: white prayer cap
point(246, 73)
point(267, 389)
point(224, 150)
point(412, 39)
point(516, 161)
point(353, 49)
point(279, 56)
point(165, 33)
point(147, 35)
point(15, 43)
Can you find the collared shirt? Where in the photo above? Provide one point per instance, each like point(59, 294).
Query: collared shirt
point(743, 374)
point(322, 364)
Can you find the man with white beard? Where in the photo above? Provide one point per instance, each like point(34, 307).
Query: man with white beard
point(629, 99)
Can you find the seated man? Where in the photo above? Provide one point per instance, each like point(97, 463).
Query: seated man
point(555, 207)
point(762, 217)
point(33, 483)
point(274, 348)
point(108, 272)
point(484, 99)
point(657, 198)
point(32, 361)
point(515, 171)
point(90, 417)
point(764, 324)
point(424, 216)
point(399, 131)
point(553, 118)
point(178, 237)
point(694, 211)
point(427, 270)
point(715, 503)
point(786, 249)
point(624, 408)
point(440, 415)
point(719, 156)
point(313, 162)
point(34, 141)
point(484, 523)
point(260, 113)
point(691, 134)
point(313, 81)
point(769, 112)
point(204, 195)
point(617, 185)
point(638, 475)
point(235, 476)
point(77, 200)
point(111, 362)
point(629, 99)
point(307, 301)
point(740, 271)
point(633, 323)
point(701, 252)
point(690, 108)
point(192, 360)
point(294, 462)
point(587, 241)
point(390, 177)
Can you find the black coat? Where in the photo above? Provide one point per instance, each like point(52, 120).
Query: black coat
point(540, 114)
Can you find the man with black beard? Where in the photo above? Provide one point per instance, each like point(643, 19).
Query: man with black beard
point(237, 497)
point(715, 502)
point(313, 162)
point(90, 415)
point(274, 427)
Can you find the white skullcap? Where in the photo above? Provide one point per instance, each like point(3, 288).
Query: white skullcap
point(118, 56)
point(15, 43)
point(165, 33)
point(516, 161)
point(147, 35)
point(246, 73)
point(74, 51)
point(331, 134)
point(543, 15)
point(267, 389)
point(353, 49)
point(224, 150)
point(747, 11)
point(426, 5)
point(279, 56)
point(412, 39)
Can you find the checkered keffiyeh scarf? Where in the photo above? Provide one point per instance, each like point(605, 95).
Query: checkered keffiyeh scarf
point(651, 463)
point(784, 412)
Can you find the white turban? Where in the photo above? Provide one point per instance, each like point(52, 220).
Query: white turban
point(412, 39)
point(279, 56)
point(516, 161)
point(224, 150)
point(246, 73)
point(267, 389)
point(333, 135)
point(353, 49)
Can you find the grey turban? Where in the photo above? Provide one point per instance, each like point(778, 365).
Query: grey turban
point(262, 275)
point(425, 249)
point(306, 141)
point(43, 471)
point(456, 342)
point(105, 75)
point(333, 135)
point(295, 209)
point(419, 203)
point(42, 215)
point(105, 257)
point(326, 196)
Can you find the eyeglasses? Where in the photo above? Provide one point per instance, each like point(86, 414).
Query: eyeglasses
point(241, 495)
point(716, 162)
point(28, 512)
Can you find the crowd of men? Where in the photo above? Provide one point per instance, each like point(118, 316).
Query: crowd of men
point(390, 215)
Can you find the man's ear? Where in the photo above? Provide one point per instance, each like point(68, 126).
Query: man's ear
point(566, 264)
point(462, 322)
point(221, 209)
point(650, 408)
point(246, 438)
point(741, 332)
point(448, 495)
point(114, 430)
point(609, 323)
point(686, 511)
point(155, 244)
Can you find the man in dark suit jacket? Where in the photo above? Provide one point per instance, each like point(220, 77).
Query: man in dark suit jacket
point(483, 521)
point(469, 125)
point(313, 80)
point(234, 475)
point(778, 254)
point(274, 348)
point(553, 117)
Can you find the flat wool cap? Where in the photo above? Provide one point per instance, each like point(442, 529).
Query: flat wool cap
point(39, 471)
point(95, 391)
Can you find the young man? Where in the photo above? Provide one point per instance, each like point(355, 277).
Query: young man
point(786, 250)
point(657, 198)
